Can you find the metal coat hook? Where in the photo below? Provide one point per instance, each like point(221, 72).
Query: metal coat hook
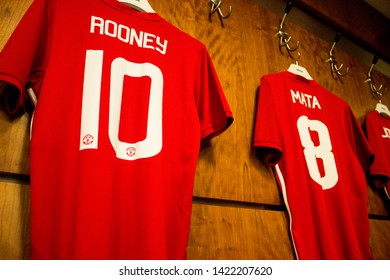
point(284, 38)
point(216, 7)
point(374, 90)
point(332, 60)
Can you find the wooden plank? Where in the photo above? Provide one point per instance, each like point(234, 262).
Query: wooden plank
point(14, 144)
point(380, 239)
point(10, 14)
point(223, 233)
point(14, 221)
point(237, 233)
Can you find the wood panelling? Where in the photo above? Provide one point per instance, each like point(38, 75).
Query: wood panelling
point(379, 239)
point(14, 221)
point(14, 144)
point(10, 14)
point(223, 233)
point(243, 51)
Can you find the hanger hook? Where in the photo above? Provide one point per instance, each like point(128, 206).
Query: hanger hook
point(284, 38)
point(332, 60)
point(376, 92)
point(216, 7)
point(296, 59)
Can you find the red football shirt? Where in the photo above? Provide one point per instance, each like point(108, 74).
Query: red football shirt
point(124, 101)
point(377, 128)
point(319, 153)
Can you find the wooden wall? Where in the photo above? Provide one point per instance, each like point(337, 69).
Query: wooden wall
point(238, 212)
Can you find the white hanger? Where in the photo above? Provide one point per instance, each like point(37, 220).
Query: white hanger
point(382, 109)
point(388, 196)
point(139, 5)
point(300, 71)
point(33, 98)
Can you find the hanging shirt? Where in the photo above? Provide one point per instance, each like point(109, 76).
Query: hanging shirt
point(319, 154)
point(377, 129)
point(124, 101)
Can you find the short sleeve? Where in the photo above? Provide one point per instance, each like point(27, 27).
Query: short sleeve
point(23, 58)
point(214, 113)
point(267, 138)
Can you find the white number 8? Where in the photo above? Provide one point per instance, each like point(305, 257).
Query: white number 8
point(322, 151)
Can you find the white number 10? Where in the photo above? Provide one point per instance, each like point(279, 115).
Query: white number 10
point(148, 147)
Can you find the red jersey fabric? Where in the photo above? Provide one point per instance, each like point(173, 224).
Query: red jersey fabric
point(319, 153)
point(377, 129)
point(124, 101)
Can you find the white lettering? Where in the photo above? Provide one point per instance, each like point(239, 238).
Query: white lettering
point(107, 28)
point(97, 22)
point(147, 40)
point(387, 132)
point(163, 46)
point(316, 103)
point(123, 33)
point(305, 99)
point(128, 35)
point(308, 98)
point(138, 39)
point(295, 96)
